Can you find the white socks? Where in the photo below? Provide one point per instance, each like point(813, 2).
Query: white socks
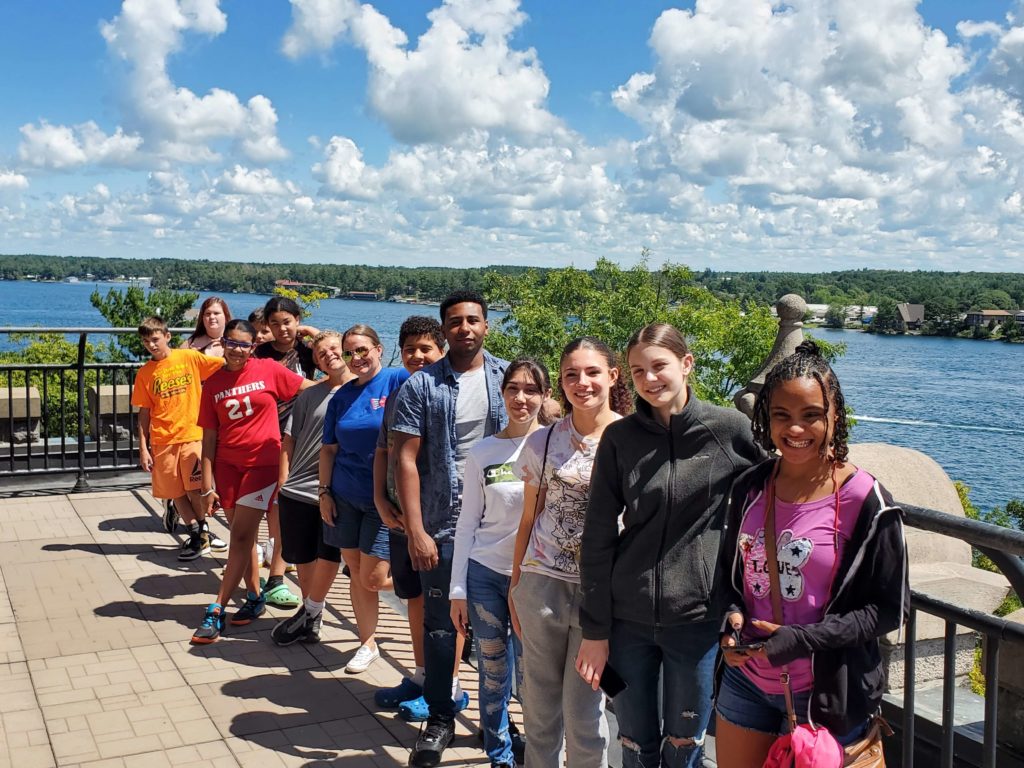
point(418, 676)
point(314, 608)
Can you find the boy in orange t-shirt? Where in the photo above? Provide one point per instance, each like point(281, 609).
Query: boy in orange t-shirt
point(167, 392)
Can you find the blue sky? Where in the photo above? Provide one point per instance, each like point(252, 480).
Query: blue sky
point(735, 134)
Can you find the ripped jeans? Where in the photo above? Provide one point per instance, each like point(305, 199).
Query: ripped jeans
point(438, 633)
point(498, 653)
point(683, 658)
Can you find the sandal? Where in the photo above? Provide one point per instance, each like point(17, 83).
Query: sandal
point(282, 597)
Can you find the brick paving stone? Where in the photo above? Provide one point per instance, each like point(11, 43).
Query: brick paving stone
point(96, 668)
point(49, 518)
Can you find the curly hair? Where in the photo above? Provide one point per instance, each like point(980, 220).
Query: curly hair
point(420, 325)
point(807, 362)
point(618, 396)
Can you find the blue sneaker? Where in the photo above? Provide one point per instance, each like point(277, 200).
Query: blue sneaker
point(417, 711)
point(254, 607)
point(389, 698)
point(213, 624)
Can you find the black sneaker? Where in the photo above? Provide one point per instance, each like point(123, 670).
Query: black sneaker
point(217, 544)
point(432, 742)
point(253, 607)
point(170, 516)
point(518, 743)
point(194, 546)
point(301, 626)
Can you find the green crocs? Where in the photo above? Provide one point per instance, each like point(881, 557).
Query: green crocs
point(282, 597)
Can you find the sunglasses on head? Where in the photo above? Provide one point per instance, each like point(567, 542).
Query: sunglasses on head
point(357, 354)
point(232, 344)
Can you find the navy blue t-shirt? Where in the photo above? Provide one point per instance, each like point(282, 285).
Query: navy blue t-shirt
point(353, 423)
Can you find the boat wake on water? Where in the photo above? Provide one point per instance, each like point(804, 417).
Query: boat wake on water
point(917, 423)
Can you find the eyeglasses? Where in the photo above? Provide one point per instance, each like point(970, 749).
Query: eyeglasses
point(358, 354)
point(232, 344)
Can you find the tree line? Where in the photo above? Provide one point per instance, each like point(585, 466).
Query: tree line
point(948, 293)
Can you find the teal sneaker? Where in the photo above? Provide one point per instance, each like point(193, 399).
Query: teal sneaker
point(213, 624)
point(254, 607)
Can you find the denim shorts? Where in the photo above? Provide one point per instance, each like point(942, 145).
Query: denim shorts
point(744, 705)
point(357, 526)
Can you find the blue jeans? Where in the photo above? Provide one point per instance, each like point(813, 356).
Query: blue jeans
point(743, 704)
point(683, 658)
point(498, 652)
point(438, 633)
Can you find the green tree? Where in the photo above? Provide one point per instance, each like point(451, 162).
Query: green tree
point(887, 317)
point(611, 303)
point(127, 309)
point(835, 316)
point(994, 299)
point(1009, 330)
point(941, 317)
point(60, 407)
point(307, 300)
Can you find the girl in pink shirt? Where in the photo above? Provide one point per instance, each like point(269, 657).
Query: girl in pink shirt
point(841, 564)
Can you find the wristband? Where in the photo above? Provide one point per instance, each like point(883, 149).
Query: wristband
point(204, 494)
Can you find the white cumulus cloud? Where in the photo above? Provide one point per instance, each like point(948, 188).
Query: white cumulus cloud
point(11, 180)
point(60, 147)
point(463, 74)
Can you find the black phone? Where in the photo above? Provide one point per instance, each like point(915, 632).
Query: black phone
point(742, 648)
point(611, 682)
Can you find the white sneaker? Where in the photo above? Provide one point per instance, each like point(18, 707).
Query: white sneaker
point(364, 657)
point(268, 553)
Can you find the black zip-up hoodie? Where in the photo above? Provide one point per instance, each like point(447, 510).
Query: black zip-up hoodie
point(670, 485)
point(870, 597)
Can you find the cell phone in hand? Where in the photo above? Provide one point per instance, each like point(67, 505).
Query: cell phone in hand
point(742, 648)
point(611, 682)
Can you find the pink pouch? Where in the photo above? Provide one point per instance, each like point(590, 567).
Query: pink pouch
point(805, 747)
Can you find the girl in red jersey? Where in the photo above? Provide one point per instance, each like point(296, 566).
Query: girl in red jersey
point(241, 453)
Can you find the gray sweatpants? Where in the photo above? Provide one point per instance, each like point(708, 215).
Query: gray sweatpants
point(556, 701)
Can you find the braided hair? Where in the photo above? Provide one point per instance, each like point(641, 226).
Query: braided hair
point(806, 362)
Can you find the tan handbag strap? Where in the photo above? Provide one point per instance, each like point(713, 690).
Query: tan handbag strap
point(775, 591)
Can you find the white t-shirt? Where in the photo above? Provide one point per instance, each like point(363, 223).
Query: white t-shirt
point(492, 505)
point(470, 414)
point(554, 548)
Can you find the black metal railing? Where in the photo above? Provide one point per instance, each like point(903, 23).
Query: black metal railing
point(1005, 547)
point(68, 417)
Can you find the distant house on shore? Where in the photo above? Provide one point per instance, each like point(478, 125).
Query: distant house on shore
point(985, 316)
point(910, 317)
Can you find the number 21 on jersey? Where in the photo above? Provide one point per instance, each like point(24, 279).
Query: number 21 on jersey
point(234, 408)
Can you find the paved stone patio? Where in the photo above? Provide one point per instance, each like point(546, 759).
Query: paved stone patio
point(96, 668)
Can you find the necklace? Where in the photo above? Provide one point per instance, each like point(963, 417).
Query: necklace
point(515, 445)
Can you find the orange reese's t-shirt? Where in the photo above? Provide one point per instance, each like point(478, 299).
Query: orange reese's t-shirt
point(171, 388)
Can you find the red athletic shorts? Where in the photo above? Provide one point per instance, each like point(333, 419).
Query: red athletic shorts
point(253, 487)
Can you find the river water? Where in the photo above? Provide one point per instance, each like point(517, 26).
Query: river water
point(959, 401)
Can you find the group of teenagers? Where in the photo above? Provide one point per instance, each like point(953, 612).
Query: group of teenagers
point(670, 554)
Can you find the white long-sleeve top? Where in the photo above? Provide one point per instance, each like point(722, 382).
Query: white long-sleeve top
point(492, 505)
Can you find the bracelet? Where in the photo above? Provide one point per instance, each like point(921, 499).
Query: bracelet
point(204, 494)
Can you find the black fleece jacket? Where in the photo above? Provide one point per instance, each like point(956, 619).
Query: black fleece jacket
point(870, 597)
point(671, 486)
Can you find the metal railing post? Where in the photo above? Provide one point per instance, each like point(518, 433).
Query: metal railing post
point(909, 675)
point(82, 483)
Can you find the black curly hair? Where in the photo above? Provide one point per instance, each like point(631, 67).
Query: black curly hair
point(806, 362)
point(420, 325)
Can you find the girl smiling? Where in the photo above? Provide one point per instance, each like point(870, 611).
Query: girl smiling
point(649, 603)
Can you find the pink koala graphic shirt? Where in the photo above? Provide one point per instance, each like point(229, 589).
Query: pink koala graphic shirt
point(807, 558)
